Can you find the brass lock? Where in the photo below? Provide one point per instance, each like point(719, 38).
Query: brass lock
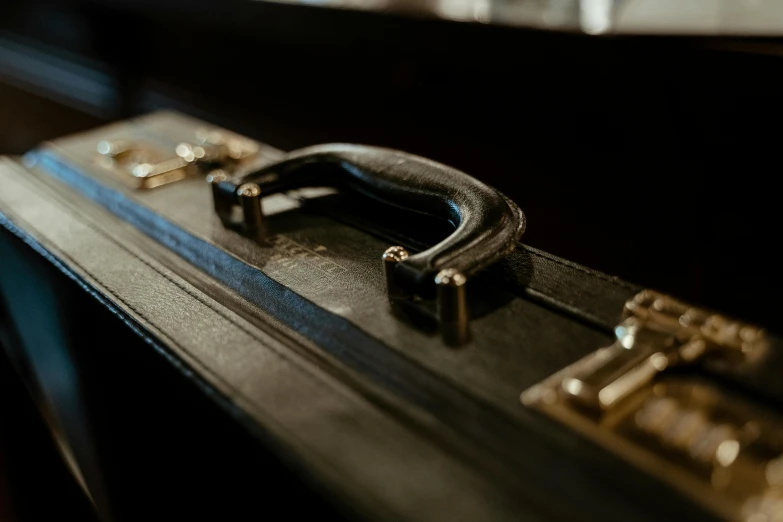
point(714, 444)
point(146, 166)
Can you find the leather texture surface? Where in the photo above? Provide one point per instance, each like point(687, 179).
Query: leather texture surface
point(576, 291)
point(319, 418)
point(487, 225)
point(318, 270)
point(433, 452)
point(320, 286)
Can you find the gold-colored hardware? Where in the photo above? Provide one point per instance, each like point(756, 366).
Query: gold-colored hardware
point(659, 332)
point(217, 147)
point(141, 164)
point(249, 196)
point(222, 205)
point(713, 444)
point(226, 146)
point(391, 257)
point(452, 304)
point(147, 166)
point(451, 299)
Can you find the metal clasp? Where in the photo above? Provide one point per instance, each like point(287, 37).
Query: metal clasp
point(141, 164)
point(714, 444)
point(147, 166)
point(659, 332)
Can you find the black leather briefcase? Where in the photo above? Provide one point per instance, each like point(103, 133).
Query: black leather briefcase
point(215, 326)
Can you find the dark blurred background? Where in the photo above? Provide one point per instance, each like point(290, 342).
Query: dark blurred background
point(653, 158)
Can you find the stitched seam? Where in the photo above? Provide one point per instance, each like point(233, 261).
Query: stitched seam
point(174, 282)
point(235, 392)
point(183, 365)
point(565, 264)
point(241, 327)
point(88, 223)
point(113, 294)
point(448, 380)
point(586, 271)
point(306, 369)
point(590, 273)
point(31, 241)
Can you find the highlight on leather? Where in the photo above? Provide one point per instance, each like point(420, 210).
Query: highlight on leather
point(487, 224)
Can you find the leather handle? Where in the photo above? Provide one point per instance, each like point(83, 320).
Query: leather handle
point(487, 224)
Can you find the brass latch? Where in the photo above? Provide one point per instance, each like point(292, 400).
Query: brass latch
point(659, 332)
point(147, 166)
point(717, 446)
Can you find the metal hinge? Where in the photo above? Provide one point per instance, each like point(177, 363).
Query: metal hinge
point(717, 446)
point(147, 166)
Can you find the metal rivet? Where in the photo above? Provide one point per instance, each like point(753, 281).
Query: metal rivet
point(250, 200)
point(453, 306)
point(391, 257)
point(217, 176)
point(223, 204)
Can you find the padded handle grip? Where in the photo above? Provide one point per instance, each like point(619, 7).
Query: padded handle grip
point(487, 224)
